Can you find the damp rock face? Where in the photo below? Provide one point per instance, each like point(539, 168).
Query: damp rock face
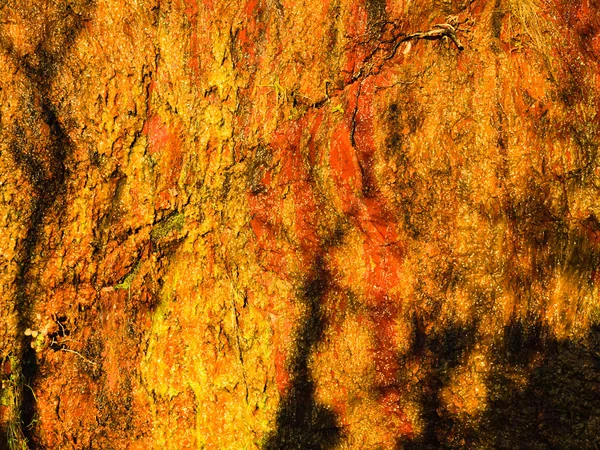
point(286, 224)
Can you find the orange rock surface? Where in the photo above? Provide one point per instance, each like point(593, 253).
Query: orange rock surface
point(290, 224)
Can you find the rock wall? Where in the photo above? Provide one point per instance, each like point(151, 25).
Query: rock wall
point(299, 224)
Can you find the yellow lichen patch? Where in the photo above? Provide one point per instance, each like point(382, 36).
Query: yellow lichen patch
point(240, 339)
point(402, 331)
point(465, 395)
point(571, 305)
point(342, 368)
point(349, 262)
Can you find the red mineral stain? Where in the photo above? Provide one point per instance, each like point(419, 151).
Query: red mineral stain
point(158, 133)
point(317, 122)
point(344, 166)
point(351, 155)
point(282, 376)
point(164, 144)
point(295, 174)
point(191, 11)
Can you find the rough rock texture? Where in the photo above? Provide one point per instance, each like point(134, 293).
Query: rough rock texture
point(272, 224)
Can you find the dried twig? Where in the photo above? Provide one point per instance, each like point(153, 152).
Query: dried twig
point(68, 350)
point(438, 31)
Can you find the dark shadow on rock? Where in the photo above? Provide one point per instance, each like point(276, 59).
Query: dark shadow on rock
point(558, 404)
point(441, 350)
point(3, 438)
point(542, 393)
point(523, 341)
point(302, 423)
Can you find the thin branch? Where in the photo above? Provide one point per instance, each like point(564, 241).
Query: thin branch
point(68, 350)
point(437, 32)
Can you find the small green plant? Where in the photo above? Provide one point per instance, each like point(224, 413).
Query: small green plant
point(10, 397)
point(164, 227)
point(38, 342)
point(126, 283)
